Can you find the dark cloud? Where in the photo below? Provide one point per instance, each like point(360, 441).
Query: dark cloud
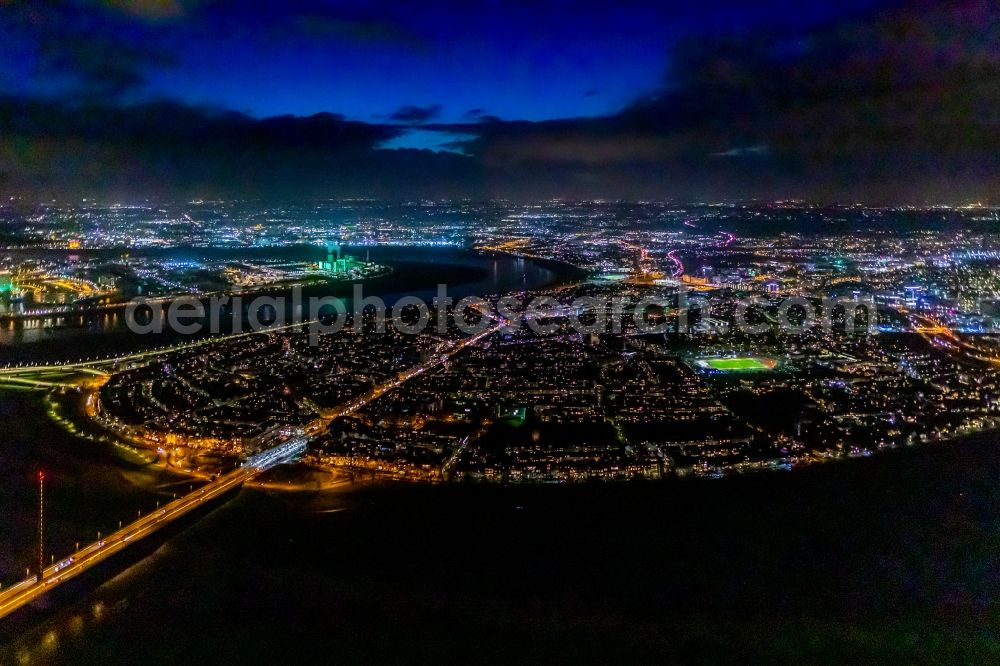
point(359, 28)
point(172, 149)
point(97, 67)
point(413, 115)
point(150, 10)
point(895, 106)
point(76, 50)
point(898, 106)
point(105, 48)
point(481, 116)
point(743, 151)
point(282, 21)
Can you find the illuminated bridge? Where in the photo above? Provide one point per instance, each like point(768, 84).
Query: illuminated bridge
point(26, 591)
point(283, 452)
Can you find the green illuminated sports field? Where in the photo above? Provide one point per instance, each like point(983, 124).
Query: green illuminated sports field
point(737, 364)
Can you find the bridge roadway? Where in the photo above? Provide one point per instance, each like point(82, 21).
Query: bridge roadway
point(97, 366)
point(107, 365)
point(93, 554)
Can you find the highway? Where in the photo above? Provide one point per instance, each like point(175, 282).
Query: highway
point(930, 328)
point(678, 266)
point(93, 554)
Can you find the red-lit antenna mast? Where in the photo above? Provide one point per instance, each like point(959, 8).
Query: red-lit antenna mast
point(41, 525)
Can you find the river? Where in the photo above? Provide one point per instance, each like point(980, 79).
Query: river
point(415, 271)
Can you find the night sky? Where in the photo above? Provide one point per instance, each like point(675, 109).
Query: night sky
point(879, 100)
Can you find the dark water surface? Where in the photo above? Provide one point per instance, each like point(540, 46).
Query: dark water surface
point(415, 271)
point(894, 558)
